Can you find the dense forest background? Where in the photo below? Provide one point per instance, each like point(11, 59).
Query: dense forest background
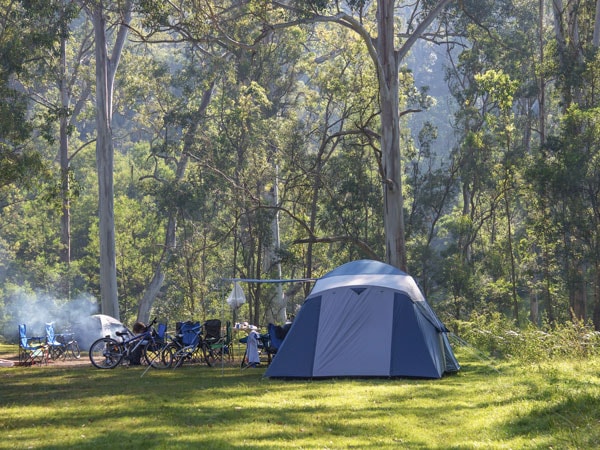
point(242, 139)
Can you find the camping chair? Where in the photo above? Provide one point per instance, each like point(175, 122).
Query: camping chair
point(212, 331)
point(161, 333)
point(274, 339)
point(32, 350)
point(218, 344)
point(159, 336)
point(188, 333)
point(189, 338)
point(223, 345)
point(56, 348)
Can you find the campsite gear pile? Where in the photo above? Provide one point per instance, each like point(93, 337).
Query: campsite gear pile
point(195, 342)
point(192, 342)
point(363, 319)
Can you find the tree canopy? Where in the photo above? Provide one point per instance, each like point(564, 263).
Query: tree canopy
point(456, 140)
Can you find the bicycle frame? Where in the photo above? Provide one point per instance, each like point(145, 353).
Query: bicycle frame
point(107, 353)
point(132, 344)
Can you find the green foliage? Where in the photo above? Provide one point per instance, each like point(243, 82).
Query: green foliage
point(499, 86)
point(28, 31)
point(493, 333)
point(498, 220)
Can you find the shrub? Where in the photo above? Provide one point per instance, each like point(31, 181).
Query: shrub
point(499, 336)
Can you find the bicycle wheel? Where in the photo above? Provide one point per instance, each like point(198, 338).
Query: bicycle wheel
point(152, 354)
point(74, 350)
point(106, 353)
point(197, 355)
point(168, 354)
point(180, 356)
point(210, 358)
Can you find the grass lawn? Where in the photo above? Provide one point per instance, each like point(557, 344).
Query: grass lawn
point(488, 405)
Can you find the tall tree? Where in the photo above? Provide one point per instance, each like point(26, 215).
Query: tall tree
point(66, 92)
point(106, 69)
point(72, 99)
point(576, 58)
point(385, 50)
point(194, 120)
point(386, 54)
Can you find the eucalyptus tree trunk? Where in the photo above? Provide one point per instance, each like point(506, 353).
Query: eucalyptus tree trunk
point(388, 60)
point(276, 309)
point(70, 107)
point(570, 53)
point(393, 200)
point(106, 67)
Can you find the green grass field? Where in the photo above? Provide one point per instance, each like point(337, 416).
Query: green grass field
point(488, 405)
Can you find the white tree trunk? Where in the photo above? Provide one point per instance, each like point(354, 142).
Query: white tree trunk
point(105, 74)
point(596, 38)
point(64, 162)
point(276, 310)
point(104, 166)
point(393, 200)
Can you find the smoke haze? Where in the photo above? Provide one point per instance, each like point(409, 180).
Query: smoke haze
point(35, 310)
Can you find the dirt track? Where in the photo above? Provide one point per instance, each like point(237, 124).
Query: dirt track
point(7, 359)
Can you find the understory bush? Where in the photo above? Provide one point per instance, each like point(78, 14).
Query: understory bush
point(493, 333)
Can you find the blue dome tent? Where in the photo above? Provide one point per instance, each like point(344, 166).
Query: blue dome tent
point(365, 319)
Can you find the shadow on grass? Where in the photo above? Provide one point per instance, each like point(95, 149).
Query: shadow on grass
point(201, 407)
point(572, 423)
point(191, 407)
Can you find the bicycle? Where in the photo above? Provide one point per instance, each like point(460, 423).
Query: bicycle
point(68, 347)
point(108, 353)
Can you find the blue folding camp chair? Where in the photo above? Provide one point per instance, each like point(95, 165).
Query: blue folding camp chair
point(188, 345)
point(273, 340)
point(32, 350)
point(55, 348)
point(189, 333)
point(161, 332)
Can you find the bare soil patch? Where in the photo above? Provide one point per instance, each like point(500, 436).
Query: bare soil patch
point(8, 359)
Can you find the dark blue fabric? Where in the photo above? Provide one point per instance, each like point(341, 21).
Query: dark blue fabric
point(412, 340)
point(452, 364)
point(301, 339)
point(275, 340)
point(190, 333)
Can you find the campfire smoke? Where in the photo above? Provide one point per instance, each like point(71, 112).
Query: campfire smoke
point(35, 310)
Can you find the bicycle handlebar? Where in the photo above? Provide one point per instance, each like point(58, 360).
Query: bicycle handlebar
point(150, 324)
